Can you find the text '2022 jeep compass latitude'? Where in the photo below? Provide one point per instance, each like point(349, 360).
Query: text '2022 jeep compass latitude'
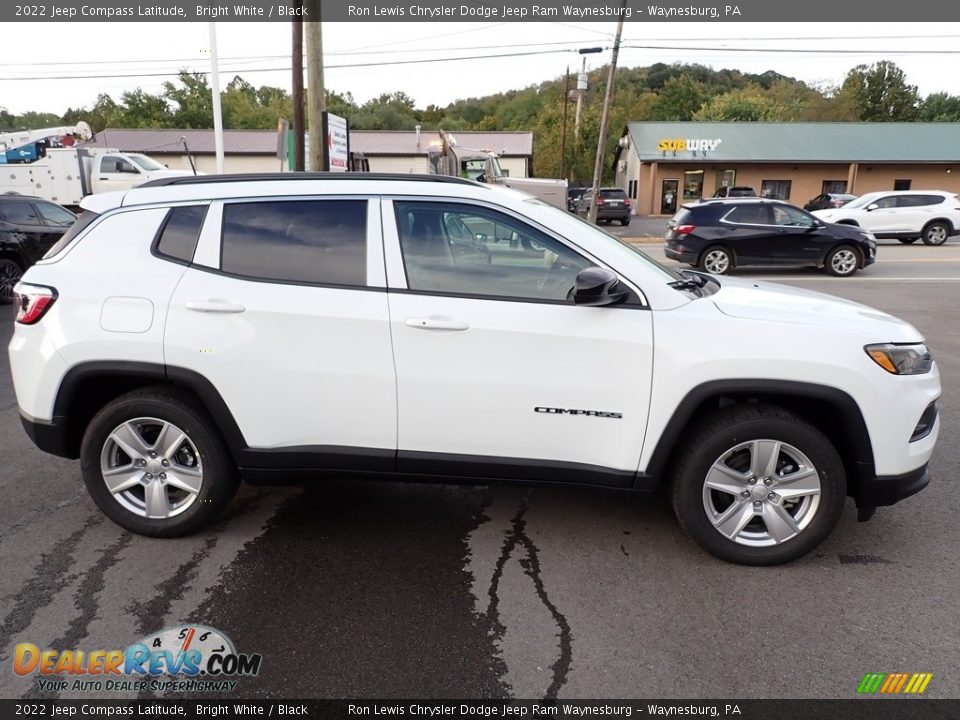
point(202, 330)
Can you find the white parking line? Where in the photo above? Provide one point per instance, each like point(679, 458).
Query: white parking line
point(787, 278)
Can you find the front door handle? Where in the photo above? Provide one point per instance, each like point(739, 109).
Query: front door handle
point(437, 323)
point(214, 306)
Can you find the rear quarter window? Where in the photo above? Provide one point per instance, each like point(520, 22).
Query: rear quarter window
point(81, 223)
point(180, 231)
point(613, 194)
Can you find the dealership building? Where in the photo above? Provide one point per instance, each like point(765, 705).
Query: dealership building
point(661, 165)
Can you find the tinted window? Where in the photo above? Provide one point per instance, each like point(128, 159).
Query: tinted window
point(887, 202)
point(20, 213)
point(613, 193)
point(86, 217)
point(55, 215)
point(465, 250)
point(751, 214)
point(178, 237)
point(918, 200)
point(311, 241)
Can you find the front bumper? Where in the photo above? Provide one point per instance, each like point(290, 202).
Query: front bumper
point(890, 489)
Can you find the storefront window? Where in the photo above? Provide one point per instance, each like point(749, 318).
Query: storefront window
point(693, 185)
point(834, 186)
point(726, 178)
point(775, 189)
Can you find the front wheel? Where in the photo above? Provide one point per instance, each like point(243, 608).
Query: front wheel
point(936, 233)
point(155, 464)
point(758, 485)
point(717, 260)
point(842, 261)
point(10, 274)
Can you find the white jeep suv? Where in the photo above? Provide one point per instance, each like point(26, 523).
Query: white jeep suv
point(194, 332)
point(907, 215)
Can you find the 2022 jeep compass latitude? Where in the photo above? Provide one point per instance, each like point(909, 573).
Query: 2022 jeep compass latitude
point(199, 331)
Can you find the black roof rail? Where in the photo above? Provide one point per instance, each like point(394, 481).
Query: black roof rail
point(294, 176)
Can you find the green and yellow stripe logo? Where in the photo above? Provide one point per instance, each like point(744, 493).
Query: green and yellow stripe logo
point(894, 683)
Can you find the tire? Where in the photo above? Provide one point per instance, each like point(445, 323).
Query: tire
point(936, 233)
point(908, 241)
point(625, 221)
point(716, 260)
point(199, 460)
point(10, 274)
point(741, 439)
point(842, 261)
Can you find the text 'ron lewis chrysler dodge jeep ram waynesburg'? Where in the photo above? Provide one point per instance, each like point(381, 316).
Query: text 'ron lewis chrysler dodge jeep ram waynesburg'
point(193, 332)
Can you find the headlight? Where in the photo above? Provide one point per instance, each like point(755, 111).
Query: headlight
point(901, 359)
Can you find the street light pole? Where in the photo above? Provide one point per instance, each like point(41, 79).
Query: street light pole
point(605, 118)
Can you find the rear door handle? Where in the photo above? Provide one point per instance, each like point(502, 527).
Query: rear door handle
point(437, 323)
point(214, 306)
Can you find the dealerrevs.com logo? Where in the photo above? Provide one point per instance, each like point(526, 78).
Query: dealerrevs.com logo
point(183, 658)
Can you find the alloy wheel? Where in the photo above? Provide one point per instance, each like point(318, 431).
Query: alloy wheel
point(716, 262)
point(761, 493)
point(844, 262)
point(151, 468)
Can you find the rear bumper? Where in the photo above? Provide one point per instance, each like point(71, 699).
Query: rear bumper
point(890, 489)
point(50, 436)
point(684, 257)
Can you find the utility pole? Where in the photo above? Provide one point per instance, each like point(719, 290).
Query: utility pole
point(298, 126)
point(316, 96)
point(581, 87)
point(215, 89)
point(563, 141)
point(605, 118)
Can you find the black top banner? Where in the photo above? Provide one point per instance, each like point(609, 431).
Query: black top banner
point(478, 11)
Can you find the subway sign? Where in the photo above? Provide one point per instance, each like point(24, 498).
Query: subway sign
point(692, 144)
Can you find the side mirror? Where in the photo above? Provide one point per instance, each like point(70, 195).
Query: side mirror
point(596, 286)
point(872, 206)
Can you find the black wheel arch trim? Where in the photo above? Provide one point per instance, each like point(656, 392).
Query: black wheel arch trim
point(79, 374)
point(849, 412)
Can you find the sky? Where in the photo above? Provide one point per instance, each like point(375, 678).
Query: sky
point(52, 66)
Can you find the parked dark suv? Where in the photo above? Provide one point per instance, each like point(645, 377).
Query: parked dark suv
point(721, 234)
point(613, 204)
point(28, 228)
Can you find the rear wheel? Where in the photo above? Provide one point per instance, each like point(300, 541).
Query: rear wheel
point(842, 261)
point(936, 233)
point(717, 260)
point(758, 485)
point(10, 274)
point(625, 221)
point(908, 241)
point(155, 464)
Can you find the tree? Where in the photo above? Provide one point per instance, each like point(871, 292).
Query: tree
point(679, 99)
point(191, 100)
point(940, 107)
point(751, 104)
point(880, 93)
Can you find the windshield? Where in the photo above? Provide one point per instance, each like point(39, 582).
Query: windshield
point(669, 275)
point(862, 201)
point(146, 163)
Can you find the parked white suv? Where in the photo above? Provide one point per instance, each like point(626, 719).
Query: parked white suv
point(907, 215)
point(194, 332)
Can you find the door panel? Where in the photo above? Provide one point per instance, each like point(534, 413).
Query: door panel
point(492, 380)
point(298, 364)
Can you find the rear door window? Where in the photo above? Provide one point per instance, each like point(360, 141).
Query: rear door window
point(55, 215)
point(752, 214)
point(321, 242)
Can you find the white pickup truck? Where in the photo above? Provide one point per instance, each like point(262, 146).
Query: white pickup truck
point(38, 163)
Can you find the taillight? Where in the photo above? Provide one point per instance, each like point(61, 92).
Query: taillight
point(684, 229)
point(599, 201)
point(627, 202)
point(32, 302)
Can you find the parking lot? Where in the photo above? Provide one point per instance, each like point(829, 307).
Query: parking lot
point(352, 589)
